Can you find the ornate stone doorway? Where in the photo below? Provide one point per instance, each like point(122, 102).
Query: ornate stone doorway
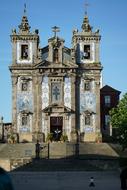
point(56, 126)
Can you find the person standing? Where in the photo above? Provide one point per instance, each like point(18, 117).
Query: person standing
point(37, 149)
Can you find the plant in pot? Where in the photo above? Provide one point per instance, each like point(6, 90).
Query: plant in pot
point(49, 137)
point(64, 138)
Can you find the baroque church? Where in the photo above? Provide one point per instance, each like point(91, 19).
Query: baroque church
point(56, 89)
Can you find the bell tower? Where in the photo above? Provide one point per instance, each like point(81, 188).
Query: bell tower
point(24, 55)
point(86, 46)
point(24, 43)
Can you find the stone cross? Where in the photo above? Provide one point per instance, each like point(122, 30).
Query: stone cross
point(55, 29)
point(56, 92)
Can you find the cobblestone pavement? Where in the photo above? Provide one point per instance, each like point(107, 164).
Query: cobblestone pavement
point(65, 180)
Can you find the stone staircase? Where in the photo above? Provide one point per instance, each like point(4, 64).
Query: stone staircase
point(58, 156)
point(44, 165)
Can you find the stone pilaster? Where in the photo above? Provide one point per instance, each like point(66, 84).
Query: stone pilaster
point(73, 104)
point(39, 104)
point(14, 102)
point(77, 99)
point(14, 53)
point(35, 93)
point(97, 83)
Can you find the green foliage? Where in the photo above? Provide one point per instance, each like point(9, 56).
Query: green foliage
point(64, 138)
point(119, 120)
point(49, 137)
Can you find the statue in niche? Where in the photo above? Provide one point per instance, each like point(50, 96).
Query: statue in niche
point(55, 55)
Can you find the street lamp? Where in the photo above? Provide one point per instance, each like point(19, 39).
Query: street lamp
point(2, 126)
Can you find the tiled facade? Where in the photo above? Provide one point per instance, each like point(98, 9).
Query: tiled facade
point(56, 89)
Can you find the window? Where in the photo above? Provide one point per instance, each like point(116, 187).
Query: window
point(24, 120)
point(107, 100)
point(107, 120)
point(86, 54)
point(24, 86)
point(87, 86)
point(87, 120)
point(24, 51)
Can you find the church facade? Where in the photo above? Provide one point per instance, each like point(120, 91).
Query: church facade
point(56, 89)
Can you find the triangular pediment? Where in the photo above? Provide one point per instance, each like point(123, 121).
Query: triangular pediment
point(88, 112)
point(47, 64)
point(49, 109)
point(42, 64)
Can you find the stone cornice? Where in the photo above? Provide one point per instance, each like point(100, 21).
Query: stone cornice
point(17, 37)
point(88, 37)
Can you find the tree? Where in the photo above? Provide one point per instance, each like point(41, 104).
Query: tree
point(119, 121)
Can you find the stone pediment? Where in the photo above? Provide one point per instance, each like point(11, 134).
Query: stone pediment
point(42, 64)
point(88, 112)
point(54, 108)
point(47, 64)
point(27, 112)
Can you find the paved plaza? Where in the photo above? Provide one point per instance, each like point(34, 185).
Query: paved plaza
point(65, 180)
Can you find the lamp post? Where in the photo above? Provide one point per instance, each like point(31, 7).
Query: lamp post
point(2, 126)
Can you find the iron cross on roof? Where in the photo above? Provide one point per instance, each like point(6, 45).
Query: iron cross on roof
point(86, 7)
point(24, 8)
point(55, 29)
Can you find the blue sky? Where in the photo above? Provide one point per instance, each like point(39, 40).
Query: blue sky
point(110, 16)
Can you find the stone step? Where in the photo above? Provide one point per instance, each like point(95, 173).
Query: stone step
point(69, 165)
point(57, 150)
point(19, 155)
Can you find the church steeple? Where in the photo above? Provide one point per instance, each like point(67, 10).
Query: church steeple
point(86, 43)
point(86, 26)
point(24, 26)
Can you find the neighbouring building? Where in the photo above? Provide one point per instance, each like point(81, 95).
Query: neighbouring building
point(56, 89)
point(109, 99)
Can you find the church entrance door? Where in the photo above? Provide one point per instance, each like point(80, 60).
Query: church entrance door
point(56, 125)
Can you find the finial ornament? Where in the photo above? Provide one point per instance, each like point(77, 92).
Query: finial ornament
point(86, 7)
point(24, 8)
point(55, 29)
point(24, 26)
